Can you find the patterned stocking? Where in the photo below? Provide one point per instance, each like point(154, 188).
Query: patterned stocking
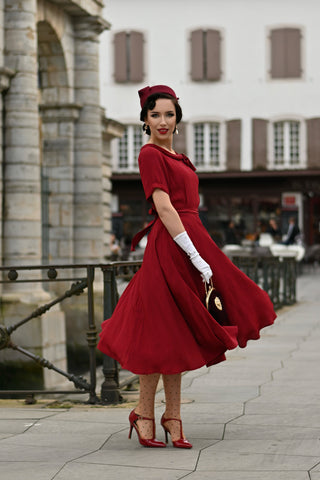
point(172, 390)
point(145, 407)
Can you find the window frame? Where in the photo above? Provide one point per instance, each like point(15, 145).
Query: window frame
point(287, 165)
point(132, 165)
point(207, 166)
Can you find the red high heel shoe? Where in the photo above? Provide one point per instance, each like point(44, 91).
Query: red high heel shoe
point(146, 442)
point(182, 442)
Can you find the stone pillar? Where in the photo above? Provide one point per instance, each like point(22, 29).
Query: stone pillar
point(88, 207)
point(5, 75)
point(22, 187)
point(58, 171)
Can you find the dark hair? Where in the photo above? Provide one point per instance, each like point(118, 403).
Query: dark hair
point(151, 103)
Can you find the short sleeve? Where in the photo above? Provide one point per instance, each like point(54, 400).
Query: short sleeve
point(153, 171)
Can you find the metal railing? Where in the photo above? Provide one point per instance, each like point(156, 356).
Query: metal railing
point(276, 276)
point(82, 278)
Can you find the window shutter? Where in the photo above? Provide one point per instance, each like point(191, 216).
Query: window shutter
point(233, 144)
point(278, 53)
point(180, 140)
point(120, 57)
point(136, 57)
point(286, 53)
point(197, 55)
point(293, 44)
point(313, 139)
point(213, 55)
point(259, 143)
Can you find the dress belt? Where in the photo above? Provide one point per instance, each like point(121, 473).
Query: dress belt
point(136, 239)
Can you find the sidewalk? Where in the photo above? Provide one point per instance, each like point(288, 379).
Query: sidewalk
point(254, 417)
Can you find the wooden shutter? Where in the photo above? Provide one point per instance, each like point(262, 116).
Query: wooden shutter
point(120, 57)
point(286, 53)
point(293, 45)
point(259, 143)
point(233, 144)
point(136, 57)
point(197, 55)
point(313, 139)
point(180, 140)
point(213, 55)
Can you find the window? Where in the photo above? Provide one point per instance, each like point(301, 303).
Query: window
point(129, 148)
point(128, 57)
point(205, 55)
point(287, 144)
point(286, 53)
point(207, 151)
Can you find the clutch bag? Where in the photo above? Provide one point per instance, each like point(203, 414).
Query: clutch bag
point(214, 304)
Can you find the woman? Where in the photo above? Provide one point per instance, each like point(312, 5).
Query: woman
point(160, 324)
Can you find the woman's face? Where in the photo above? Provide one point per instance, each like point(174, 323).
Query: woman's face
point(162, 121)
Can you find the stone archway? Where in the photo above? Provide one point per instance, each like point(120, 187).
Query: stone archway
point(54, 86)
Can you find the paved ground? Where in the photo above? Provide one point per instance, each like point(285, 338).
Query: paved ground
point(254, 417)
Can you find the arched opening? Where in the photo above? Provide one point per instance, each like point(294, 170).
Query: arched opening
point(52, 73)
point(56, 137)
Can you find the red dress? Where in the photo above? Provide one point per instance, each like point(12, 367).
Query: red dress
point(160, 324)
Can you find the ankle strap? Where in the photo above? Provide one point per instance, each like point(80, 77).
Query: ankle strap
point(140, 417)
point(168, 420)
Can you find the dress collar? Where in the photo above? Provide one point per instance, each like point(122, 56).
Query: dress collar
point(176, 156)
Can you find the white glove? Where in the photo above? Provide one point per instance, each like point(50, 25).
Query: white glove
point(184, 242)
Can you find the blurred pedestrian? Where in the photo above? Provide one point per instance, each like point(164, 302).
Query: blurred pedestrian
point(274, 230)
point(231, 234)
point(292, 233)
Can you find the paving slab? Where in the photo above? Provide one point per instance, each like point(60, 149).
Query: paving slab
point(305, 419)
point(44, 454)
point(269, 432)
point(254, 462)
point(248, 475)
point(77, 471)
point(16, 470)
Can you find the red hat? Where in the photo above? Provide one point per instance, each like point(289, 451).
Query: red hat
point(145, 92)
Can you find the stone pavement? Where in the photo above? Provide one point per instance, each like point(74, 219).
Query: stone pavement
point(254, 417)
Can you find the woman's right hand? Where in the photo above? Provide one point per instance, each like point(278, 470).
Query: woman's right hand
point(202, 266)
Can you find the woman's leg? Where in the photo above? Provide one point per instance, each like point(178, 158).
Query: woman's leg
point(172, 390)
point(145, 407)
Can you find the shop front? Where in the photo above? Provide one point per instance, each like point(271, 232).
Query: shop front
point(236, 206)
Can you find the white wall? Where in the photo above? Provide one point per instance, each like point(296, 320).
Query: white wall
point(245, 90)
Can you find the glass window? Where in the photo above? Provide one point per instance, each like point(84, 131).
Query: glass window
point(287, 144)
point(129, 146)
point(207, 145)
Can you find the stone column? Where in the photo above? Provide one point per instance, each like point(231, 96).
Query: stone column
point(5, 75)
point(58, 171)
point(22, 192)
point(88, 200)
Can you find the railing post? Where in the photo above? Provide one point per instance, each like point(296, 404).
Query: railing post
point(91, 336)
point(110, 391)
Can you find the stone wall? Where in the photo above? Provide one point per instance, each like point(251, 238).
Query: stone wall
point(55, 181)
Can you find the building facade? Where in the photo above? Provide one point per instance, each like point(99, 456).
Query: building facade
point(54, 149)
point(248, 77)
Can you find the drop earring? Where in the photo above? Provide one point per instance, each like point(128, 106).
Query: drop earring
point(176, 131)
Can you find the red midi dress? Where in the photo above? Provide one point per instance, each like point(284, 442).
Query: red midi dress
point(160, 324)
